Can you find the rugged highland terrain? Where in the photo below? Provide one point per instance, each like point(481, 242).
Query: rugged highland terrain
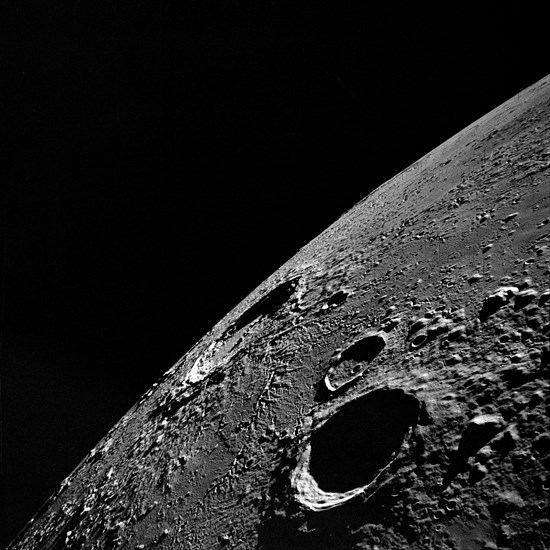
point(386, 388)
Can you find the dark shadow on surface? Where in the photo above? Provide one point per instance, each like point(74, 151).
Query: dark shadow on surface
point(360, 439)
point(267, 305)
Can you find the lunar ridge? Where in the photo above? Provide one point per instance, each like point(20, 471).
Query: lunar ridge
point(387, 387)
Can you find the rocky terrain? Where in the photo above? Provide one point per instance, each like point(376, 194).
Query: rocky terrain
point(386, 388)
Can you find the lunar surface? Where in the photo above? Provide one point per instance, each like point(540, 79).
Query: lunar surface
point(386, 388)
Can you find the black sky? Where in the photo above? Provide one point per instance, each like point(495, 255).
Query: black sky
point(165, 158)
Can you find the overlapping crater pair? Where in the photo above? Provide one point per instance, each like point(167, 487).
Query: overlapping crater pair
point(352, 443)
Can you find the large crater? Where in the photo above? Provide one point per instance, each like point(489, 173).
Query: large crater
point(351, 448)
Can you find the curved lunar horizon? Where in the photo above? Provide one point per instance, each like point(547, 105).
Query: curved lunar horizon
point(387, 387)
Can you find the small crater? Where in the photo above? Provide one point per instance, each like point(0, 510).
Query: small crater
point(351, 363)
point(425, 330)
point(337, 298)
point(351, 448)
point(419, 340)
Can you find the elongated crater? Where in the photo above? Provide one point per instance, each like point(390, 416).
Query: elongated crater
point(351, 448)
point(265, 306)
point(352, 362)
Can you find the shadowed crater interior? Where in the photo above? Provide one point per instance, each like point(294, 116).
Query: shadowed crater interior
point(365, 349)
point(267, 305)
point(348, 365)
point(349, 450)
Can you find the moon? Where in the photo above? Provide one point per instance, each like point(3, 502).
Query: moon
point(385, 388)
